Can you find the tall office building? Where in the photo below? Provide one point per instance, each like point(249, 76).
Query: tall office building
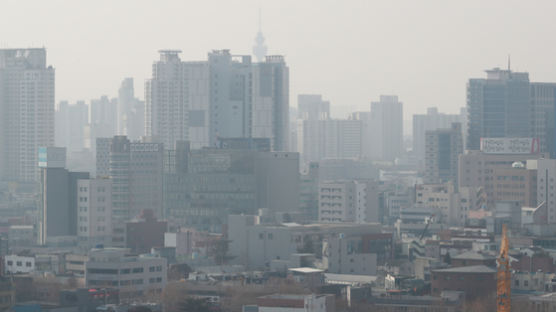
point(226, 96)
point(271, 104)
point(498, 107)
point(543, 113)
point(432, 120)
point(387, 125)
point(136, 171)
point(26, 111)
point(131, 112)
point(443, 147)
point(59, 200)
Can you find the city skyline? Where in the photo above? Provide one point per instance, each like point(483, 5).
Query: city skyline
point(127, 47)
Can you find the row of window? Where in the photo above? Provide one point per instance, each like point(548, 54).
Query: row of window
point(20, 263)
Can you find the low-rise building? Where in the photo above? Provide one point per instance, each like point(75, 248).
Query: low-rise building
point(134, 276)
point(296, 303)
point(471, 258)
point(475, 281)
point(14, 264)
point(75, 263)
point(145, 233)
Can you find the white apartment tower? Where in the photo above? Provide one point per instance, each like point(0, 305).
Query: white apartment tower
point(26, 111)
point(226, 96)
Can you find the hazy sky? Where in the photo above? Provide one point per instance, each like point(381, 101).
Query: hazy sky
point(350, 51)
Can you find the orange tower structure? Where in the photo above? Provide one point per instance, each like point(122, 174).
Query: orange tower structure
point(504, 276)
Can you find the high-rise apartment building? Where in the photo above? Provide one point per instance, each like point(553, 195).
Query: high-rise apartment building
point(26, 111)
point(387, 128)
point(226, 96)
point(443, 147)
point(498, 107)
point(432, 120)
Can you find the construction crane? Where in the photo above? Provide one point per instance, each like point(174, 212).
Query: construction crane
point(504, 276)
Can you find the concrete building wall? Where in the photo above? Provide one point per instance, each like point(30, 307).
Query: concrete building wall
point(476, 169)
point(134, 276)
point(387, 121)
point(432, 120)
point(443, 147)
point(94, 218)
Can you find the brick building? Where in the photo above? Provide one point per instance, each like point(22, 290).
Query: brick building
point(475, 281)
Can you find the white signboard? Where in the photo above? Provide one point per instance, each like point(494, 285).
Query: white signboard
point(509, 145)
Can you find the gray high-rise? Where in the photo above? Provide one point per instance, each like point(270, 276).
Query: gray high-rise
point(387, 128)
point(26, 111)
point(498, 106)
point(225, 97)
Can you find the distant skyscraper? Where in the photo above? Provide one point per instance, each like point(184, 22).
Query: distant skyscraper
point(26, 111)
point(312, 107)
point(177, 101)
point(432, 120)
point(387, 125)
point(224, 97)
point(443, 147)
point(332, 138)
point(71, 122)
point(103, 116)
point(498, 106)
point(131, 112)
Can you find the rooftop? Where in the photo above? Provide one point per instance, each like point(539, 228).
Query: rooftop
point(468, 269)
point(473, 255)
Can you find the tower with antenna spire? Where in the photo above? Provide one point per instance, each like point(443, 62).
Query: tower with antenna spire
point(259, 49)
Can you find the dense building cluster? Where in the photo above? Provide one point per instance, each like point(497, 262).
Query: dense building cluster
point(213, 194)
